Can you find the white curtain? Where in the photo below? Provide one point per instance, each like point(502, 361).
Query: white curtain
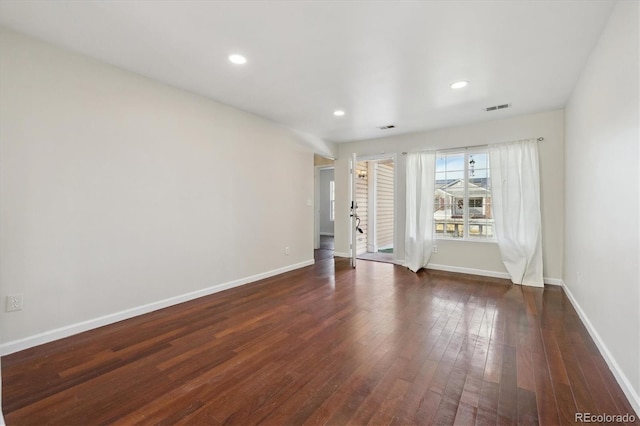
point(420, 192)
point(516, 209)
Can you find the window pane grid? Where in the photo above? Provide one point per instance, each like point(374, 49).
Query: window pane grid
point(462, 202)
point(332, 201)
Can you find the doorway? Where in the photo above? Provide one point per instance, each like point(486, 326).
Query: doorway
point(324, 213)
point(375, 198)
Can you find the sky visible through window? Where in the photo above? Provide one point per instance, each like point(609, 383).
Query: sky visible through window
point(452, 166)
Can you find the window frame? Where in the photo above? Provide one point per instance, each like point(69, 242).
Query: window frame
point(442, 236)
point(332, 200)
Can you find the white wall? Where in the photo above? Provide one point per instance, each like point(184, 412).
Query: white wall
point(460, 255)
point(602, 190)
point(118, 191)
point(326, 225)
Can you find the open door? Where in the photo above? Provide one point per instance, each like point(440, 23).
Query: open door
point(354, 207)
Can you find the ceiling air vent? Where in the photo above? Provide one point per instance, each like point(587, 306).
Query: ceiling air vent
point(497, 107)
point(390, 126)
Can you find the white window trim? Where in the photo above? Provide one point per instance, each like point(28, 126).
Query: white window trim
point(332, 200)
point(466, 238)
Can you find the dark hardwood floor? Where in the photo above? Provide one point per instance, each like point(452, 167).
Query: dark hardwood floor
point(325, 251)
point(326, 345)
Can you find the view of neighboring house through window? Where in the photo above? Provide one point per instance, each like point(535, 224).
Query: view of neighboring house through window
point(462, 204)
point(332, 200)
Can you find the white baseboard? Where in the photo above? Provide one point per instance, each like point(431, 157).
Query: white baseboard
point(340, 254)
point(69, 330)
point(327, 234)
point(485, 273)
point(553, 281)
point(623, 381)
point(471, 271)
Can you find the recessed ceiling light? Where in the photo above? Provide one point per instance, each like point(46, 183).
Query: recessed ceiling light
point(459, 84)
point(338, 113)
point(237, 59)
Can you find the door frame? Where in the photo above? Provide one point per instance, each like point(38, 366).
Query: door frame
point(316, 202)
point(393, 157)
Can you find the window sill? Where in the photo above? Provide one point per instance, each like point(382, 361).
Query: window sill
point(468, 240)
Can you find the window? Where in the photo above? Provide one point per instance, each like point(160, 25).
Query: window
point(332, 200)
point(462, 203)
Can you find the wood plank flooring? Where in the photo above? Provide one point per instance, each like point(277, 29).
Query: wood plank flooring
point(326, 345)
point(325, 250)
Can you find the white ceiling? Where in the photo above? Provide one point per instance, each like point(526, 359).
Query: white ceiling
point(383, 62)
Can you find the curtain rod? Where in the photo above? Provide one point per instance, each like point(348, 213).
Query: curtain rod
point(540, 139)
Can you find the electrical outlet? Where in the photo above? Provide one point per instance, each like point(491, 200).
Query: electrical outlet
point(434, 249)
point(286, 250)
point(14, 303)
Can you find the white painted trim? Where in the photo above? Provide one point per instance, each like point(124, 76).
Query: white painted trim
point(485, 273)
point(621, 378)
point(481, 240)
point(378, 157)
point(316, 203)
point(353, 239)
point(553, 281)
point(471, 271)
point(316, 207)
point(327, 234)
point(341, 254)
point(397, 239)
point(69, 330)
point(372, 206)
